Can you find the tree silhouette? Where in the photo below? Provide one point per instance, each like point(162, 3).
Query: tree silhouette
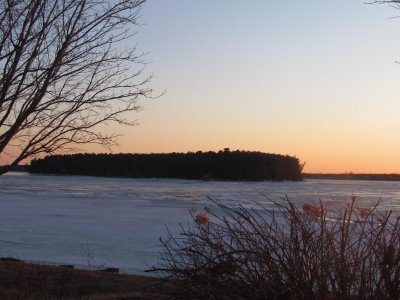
point(66, 67)
point(225, 165)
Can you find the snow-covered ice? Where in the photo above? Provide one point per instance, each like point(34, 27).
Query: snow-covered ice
point(116, 222)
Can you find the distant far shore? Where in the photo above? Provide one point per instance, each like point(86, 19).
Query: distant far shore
point(354, 176)
point(330, 176)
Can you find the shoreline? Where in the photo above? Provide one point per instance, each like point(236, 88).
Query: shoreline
point(323, 176)
point(26, 280)
point(353, 176)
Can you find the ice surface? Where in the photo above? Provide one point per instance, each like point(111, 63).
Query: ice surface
point(116, 222)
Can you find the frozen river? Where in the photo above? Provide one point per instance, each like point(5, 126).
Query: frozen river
point(116, 222)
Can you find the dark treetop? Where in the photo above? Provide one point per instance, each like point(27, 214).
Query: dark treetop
point(222, 165)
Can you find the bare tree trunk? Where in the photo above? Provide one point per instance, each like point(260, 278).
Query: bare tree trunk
point(66, 67)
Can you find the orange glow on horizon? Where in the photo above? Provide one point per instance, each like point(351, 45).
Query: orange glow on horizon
point(297, 82)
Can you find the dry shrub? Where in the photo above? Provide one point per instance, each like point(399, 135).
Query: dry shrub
point(286, 253)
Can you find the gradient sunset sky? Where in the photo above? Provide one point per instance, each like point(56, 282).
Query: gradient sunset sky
point(316, 79)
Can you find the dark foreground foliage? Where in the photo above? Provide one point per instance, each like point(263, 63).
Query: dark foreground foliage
point(225, 165)
point(288, 253)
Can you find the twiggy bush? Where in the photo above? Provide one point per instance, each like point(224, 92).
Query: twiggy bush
point(309, 252)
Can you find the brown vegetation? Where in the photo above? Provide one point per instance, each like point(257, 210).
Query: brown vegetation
point(24, 281)
point(288, 253)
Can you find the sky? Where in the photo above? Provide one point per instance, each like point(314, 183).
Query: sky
point(316, 79)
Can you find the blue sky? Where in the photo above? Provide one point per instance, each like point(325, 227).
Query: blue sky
point(315, 79)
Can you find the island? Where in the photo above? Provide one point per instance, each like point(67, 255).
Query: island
point(210, 165)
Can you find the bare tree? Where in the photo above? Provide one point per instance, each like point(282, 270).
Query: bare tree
point(66, 67)
point(385, 1)
point(394, 3)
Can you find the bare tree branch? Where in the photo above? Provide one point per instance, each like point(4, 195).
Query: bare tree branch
point(66, 68)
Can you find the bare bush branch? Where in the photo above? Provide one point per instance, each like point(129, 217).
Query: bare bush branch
point(287, 253)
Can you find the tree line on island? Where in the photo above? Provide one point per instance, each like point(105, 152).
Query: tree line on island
point(221, 165)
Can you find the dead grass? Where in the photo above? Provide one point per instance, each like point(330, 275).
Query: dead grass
point(24, 281)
